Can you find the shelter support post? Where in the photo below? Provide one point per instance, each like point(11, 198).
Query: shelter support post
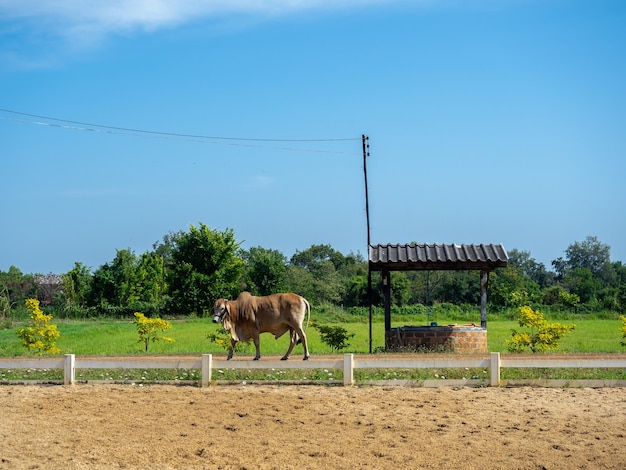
point(386, 285)
point(484, 282)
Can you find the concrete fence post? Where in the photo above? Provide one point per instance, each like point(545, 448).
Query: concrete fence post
point(495, 369)
point(207, 369)
point(69, 369)
point(348, 369)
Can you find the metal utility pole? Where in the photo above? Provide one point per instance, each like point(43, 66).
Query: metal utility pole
point(366, 153)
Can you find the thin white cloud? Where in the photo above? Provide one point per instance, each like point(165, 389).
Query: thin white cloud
point(94, 192)
point(39, 33)
point(260, 182)
point(109, 16)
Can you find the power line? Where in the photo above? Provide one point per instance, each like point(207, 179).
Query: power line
point(170, 134)
point(179, 139)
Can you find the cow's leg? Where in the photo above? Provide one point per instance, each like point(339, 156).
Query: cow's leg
point(292, 343)
point(257, 345)
point(232, 349)
point(300, 332)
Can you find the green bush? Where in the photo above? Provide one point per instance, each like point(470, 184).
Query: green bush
point(40, 335)
point(334, 336)
point(540, 335)
point(148, 328)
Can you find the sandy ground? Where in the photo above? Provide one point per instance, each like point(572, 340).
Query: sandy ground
point(272, 426)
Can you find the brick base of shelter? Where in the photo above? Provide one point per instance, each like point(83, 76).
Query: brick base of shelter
point(456, 338)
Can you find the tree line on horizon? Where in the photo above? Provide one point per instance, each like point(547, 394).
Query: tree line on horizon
point(188, 270)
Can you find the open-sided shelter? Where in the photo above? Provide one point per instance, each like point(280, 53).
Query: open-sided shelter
point(415, 257)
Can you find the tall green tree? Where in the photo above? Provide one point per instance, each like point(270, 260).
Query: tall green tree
point(588, 272)
point(400, 288)
point(313, 274)
point(459, 287)
point(621, 298)
point(356, 292)
point(534, 270)
point(151, 278)
point(589, 254)
point(425, 286)
point(103, 289)
point(511, 287)
point(115, 283)
point(352, 273)
point(77, 285)
point(315, 257)
point(124, 269)
point(583, 283)
point(129, 282)
point(266, 270)
point(205, 265)
point(16, 288)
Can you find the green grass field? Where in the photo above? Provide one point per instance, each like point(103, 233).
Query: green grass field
point(190, 337)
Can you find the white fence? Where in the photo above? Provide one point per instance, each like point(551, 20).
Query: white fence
point(207, 364)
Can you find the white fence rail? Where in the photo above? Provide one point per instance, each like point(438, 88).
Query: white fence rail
point(207, 364)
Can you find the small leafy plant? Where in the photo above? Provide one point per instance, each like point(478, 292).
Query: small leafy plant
point(623, 330)
point(149, 328)
point(540, 335)
point(334, 336)
point(40, 335)
point(222, 339)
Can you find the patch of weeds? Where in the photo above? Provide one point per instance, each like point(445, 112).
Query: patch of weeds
point(419, 374)
point(329, 375)
point(139, 375)
point(548, 373)
point(421, 349)
point(31, 374)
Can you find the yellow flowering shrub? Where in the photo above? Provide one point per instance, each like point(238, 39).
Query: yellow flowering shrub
point(623, 330)
point(148, 329)
point(221, 338)
point(41, 335)
point(540, 335)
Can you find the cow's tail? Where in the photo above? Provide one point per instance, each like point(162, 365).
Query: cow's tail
point(308, 311)
point(308, 319)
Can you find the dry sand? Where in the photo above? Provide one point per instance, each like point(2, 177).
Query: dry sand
point(271, 426)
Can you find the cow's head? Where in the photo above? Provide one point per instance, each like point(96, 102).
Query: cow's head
point(220, 308)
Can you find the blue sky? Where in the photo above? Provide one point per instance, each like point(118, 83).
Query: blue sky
point(489, 122)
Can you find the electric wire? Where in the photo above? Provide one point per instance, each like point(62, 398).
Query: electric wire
point(177, 138)
point(174, 134)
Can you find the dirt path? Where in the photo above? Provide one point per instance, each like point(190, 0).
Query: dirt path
point(267, 427)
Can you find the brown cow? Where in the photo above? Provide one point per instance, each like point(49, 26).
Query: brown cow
point(249, 316)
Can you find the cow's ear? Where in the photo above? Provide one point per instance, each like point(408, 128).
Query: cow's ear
point(227, 303)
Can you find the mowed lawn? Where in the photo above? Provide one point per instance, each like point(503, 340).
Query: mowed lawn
point(108, 338)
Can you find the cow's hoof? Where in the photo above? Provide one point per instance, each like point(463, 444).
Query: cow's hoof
point(305, 358)
point(284, 358)
point(256, 358)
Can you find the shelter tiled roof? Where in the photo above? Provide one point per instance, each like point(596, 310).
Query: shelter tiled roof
point(415, 257)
